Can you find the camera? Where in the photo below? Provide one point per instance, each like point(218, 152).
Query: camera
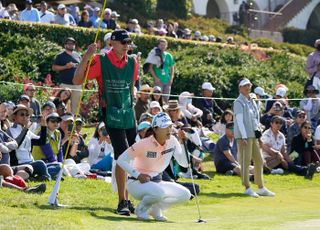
point(104, 132)
point(70, 127)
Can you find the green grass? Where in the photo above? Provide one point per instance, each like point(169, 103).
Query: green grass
point(91, 206)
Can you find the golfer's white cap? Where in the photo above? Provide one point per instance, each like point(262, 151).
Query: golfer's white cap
point(161, 120)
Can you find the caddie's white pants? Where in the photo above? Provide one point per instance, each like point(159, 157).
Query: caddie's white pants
point(164, 194)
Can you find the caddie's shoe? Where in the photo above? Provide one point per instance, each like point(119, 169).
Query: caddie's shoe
point(156, 213)
point(250, 192)
point(142, 212)
point(123, 208)
point(310, 171)
point(265, 192)
point(130, 206)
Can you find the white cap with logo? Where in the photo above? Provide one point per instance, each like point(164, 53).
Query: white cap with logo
point(161, 120)
point(207, 86)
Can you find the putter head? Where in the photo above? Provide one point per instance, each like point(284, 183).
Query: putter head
point(201, 221)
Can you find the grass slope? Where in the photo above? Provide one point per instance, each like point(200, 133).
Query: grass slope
point(91, 206)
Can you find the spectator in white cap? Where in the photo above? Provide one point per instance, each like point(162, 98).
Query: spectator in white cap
point(145, 181)
point(95, 17)
point(261, 94)
point(192, 113)
point(247, 134)
point(209, 106)
point(280, 94)
point(64, 18)
point(107, 42)
point(154, 108)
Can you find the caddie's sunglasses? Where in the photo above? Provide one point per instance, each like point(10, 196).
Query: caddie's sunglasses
point(124, 42)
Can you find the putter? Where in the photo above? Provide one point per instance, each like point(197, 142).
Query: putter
point(200, 220)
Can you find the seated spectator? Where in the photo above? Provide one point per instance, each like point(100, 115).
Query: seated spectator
point(225, 153)
point(171, 32)
point(280, 93)
point(82, 151)
point(84, 20)
point(197, 36)
point(107, 41)
point(151, 30)
point(115, 16)
point(186, 34)
point(156, 95)
point(26, 139)
point(136, 26)
point(4, 122)
point(29, 14)
point(13, 12)
point(154, 108)
point(142, 104)
point(275, 155)
point(211, 38)
point(303, 146)
point(30, 91)
point(24, 100)
point(311, 105)
point(175, 113)
point(294, 129)
point(51, 152)
point(45, 15)
point(48, 108)
point(63, 95)
point(190, 111)
point(142, 129)
point(61, 108)
point(7, 144)
point(100, 149)
point(16, 182)
point(220, 126)
point(108, 22)
point(209, 106)
point(146, 117)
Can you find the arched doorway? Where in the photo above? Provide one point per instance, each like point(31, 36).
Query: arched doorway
point(213, 10)
point(314, 20)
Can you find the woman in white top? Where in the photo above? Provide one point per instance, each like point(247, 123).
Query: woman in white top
point(145, 161)
point(100, 149)
point(220, 126)
point(189, 111)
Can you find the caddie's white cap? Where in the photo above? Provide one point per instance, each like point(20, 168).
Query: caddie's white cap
point(161, 120)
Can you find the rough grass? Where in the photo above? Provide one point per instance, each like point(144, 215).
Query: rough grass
point(222, 204)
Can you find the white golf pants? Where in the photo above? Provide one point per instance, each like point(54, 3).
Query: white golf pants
point(164, 194)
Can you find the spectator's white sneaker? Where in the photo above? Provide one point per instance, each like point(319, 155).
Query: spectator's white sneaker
point(250, 192)
point(265, 192)
point(142, 212)
point(156, 213)
point(277, 171)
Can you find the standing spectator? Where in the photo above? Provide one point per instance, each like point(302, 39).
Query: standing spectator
point(311, 105)
point(66, 64)
point(142, 104)
point(313, 65)
point(84, 20)
point(30, 90)
point(260, 96)
point(163, 72)
point(94, 19)
point(30, 14)
point(247, 134)
point(64, 18)
point(116, 73)
point(45, 15)
point(209, 106)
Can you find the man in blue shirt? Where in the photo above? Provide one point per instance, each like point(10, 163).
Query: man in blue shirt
point(30, 14)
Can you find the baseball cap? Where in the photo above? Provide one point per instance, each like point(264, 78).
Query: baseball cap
point(24, 97)
point(157, 89)
point(70, 39)
point(244, 81)
point(101, 125)
point(120, 35)
point(146, 87)
point(29, 1)
point(281, 92)
point(299, 112)
point(79, 119)
point(155, 104)
point(54, 116)
point(61, 6)
point(259, 91)
point(67, 117)
point(277, 118)
point(207, 86)
point(144, 125)
point(97, 9)
point(49, 104)
point(115, 14)
point(161, 120)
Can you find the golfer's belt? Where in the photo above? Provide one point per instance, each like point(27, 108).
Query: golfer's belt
point(157, 178)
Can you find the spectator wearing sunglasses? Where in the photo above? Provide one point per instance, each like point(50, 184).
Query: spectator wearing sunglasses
point(26, 140)
point(51, 152)
point(294, 129)
point(116, 73)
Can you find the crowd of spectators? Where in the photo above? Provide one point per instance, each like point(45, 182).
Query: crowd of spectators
point(89, 16)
